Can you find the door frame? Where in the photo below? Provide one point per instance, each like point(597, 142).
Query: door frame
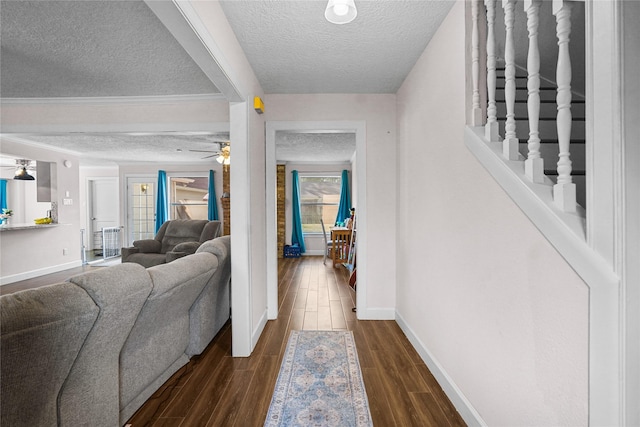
point(357, 127)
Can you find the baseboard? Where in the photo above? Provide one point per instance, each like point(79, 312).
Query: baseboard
point(313, 252)
point(5, 280)
point(461, 403)
point(377, 314)
point(258, 330)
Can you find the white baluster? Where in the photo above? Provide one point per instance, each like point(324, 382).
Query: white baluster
point(491, 128)
point(510, 143)
point(476, 112)
point(564, 192)
point(534, 165)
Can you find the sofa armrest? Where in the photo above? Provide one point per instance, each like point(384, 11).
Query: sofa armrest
point(126, 252)
point(148, 245)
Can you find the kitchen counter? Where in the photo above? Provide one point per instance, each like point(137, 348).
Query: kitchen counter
point(26, 226)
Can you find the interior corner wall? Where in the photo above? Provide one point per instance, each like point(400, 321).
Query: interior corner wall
point(501, 315)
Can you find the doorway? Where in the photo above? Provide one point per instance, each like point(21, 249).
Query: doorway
point(141, 208)
point(103, 209)
point(357, 127)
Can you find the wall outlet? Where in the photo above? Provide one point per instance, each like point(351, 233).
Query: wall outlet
point(65, 251)
point(67, 202)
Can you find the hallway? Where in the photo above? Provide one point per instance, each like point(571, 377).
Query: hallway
point(215, 389)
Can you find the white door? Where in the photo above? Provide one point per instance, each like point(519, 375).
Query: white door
point(141, 208)
point(103, 208)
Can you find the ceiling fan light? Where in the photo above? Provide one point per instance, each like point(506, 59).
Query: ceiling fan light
point(22, 174)
point(340, 11)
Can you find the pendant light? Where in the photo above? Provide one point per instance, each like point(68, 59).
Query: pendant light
point(340, 11)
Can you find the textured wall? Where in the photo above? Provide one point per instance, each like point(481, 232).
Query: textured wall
point(479, 286)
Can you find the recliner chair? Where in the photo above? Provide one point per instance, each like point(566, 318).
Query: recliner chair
point(175, 239)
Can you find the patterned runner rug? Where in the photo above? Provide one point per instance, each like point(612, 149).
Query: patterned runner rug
point(320, 383)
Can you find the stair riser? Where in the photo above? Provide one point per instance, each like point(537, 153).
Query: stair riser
point(546, 110)
point(522, 93)
point(547, 130)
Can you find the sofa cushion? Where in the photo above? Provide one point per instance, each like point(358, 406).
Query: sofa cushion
point(42, 330)
point(182, 230)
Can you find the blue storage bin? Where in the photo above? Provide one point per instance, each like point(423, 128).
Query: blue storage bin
point(292, 251)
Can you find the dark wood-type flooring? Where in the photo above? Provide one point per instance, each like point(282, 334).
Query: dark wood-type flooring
point(215, 389)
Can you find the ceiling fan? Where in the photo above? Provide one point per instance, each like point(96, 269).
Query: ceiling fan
point(21, 167)
point(222, 154)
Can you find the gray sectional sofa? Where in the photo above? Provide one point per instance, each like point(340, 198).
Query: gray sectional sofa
point(92, 350)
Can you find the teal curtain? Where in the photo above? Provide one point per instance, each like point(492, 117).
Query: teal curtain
point(212, 204)
point(3, 194)
point(296, 235)
point(162, 200)
point(344, 208)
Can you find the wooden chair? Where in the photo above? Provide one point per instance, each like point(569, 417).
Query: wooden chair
point(328, 244)
point(341, 241)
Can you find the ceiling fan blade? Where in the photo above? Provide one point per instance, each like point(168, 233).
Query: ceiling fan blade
point(213, 153)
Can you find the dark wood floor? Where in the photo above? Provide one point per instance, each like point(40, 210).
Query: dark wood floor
point(215, 389)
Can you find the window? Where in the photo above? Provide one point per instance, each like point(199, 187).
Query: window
point(319, 199)
point(188, 197)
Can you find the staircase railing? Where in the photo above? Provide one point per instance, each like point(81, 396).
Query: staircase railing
point(513, 149)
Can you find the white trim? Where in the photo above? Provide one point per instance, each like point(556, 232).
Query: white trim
point(359, 127)
point(314, 252)
point(5, 280)
point(26, 130)
point(464, 407)
point(257, 332)
point(241, 298)
point(101, 100)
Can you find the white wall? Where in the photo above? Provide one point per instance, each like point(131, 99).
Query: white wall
point(378, 111)
point(483, 296)
point(30, 253)
point(314, 243)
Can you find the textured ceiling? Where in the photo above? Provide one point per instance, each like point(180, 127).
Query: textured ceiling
point(135, 148)
point(95, 48)
point(293, 49)
point(92, 49)
point(316, 147)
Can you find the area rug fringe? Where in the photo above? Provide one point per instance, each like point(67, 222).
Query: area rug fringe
point(320, 383)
